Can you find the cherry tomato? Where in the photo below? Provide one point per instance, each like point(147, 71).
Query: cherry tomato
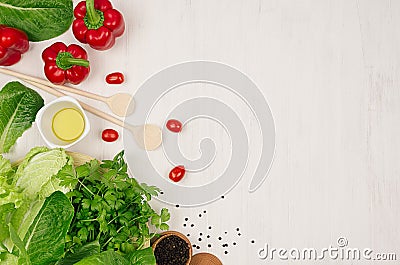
point(115, 78)
point(177, 173)
point(174, 125)
point(109, 135)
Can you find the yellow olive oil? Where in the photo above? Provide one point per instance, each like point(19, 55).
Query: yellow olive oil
point(68, 124)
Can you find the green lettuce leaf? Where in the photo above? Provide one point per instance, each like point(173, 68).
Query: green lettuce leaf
point(6, 211)
point(8, 192)
point(85, 251)
point(10, 198)
point(41, 20)
point(5, 167)
point(23, 254)
point(23, 216)
point(109, 257)
point(35, 175)
point(23, 196)
point(18, 108)
point(8, 259)
point(142, 257)
point(45, 239)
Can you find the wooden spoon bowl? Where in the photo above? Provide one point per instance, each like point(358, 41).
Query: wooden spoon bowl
point(121, 104)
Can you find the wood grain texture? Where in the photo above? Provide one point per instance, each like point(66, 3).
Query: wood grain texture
point(330, 72)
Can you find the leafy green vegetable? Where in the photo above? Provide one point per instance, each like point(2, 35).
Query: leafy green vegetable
point(23, 255)
point(87, 250)
point(109, 257)
point(18, 108)
point(23, 216)
point(6, 211)
point(103, 220)
point(22, 194)
point(10, 197)
point(110, 206)
point(41, 20)
point(142, 257)
point(36, 177)
point(105, 258)
point(8, 193)
point(44, 241)
point(35, 173)
point(8, 259)
point(5, 167)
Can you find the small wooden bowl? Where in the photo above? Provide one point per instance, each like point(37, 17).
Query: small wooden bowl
point(174, 233)
point(205, 259)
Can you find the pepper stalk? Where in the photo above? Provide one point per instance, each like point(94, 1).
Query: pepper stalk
point(65, 61)
point(94, 18)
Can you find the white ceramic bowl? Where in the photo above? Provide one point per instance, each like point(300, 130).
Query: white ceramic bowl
point(44, 120)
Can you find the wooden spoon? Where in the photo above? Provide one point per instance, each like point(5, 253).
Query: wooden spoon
point(147, 136)
point(121, 104)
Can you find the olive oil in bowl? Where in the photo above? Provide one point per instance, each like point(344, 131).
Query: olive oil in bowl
point(68, 124)
point(62, 122)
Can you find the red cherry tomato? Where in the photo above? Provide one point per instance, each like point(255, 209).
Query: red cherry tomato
point(109, 135)
point(174, 126)
point(115, 78)
point(177, 173)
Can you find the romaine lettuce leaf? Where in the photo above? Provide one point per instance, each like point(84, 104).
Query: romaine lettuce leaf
point(36, 172)
point(8, 259)
point(109, 257)
point(85, 251)
point(18, 108)
point(142, 257)
point(40, 20)
point(23, 216)
point(10, 198)
point(5, 167)
point(23, 254)
point(6, 211)
point(23, 196)
point(45, 240)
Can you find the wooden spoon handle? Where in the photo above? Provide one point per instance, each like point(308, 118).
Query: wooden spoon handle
point(85, 106)
point(147, 136)
point(49, 84)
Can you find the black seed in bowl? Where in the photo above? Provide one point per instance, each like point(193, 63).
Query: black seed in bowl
point(172, 250)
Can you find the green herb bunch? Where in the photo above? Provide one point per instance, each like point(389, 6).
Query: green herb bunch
point(110, 207)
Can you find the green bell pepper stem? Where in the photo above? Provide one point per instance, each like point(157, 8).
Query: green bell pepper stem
point(74, 61)
point(93, 17)
point(65, 60)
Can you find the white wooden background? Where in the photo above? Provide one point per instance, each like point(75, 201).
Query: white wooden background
point(330, 72)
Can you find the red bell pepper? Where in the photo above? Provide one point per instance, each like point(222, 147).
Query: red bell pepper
point(65, 64)
point(97, 23)
point(13, 43)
